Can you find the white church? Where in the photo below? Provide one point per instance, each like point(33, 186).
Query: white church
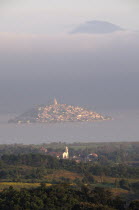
point(66, 153)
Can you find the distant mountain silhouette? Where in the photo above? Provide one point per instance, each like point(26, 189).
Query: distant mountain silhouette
point(97, 27)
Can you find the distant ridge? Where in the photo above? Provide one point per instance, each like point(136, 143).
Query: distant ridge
point(97, 27)
point(57, 113)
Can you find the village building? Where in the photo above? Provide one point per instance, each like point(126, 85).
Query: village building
point(66, 153)
point(92, 157)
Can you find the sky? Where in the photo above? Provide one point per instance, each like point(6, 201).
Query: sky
point(41, 58)
point(58, 17)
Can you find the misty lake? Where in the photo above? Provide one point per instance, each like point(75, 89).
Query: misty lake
point(123, 127)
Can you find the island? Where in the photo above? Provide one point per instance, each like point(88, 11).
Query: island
point(58, 113)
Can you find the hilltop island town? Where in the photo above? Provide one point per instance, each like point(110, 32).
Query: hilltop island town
point(58, 113)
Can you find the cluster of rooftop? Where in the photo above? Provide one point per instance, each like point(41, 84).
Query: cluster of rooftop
point(65, 155)
point(62, 112)
point(59, 155)
point(58, 113)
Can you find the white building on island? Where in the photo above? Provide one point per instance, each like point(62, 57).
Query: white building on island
point(55, 101)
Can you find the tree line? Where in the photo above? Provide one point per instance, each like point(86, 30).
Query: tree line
point(63, 197)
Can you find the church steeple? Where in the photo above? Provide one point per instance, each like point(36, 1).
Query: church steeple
point(66, 153)
point(55, 101)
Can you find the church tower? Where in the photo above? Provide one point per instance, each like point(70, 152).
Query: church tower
point(66, 153)
point(55, 102)
point(67, 150)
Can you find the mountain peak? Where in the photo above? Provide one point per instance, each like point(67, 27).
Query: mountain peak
point(97, 27)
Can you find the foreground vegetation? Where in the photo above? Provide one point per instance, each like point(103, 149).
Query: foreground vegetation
point(64, 197)
point(114, 173)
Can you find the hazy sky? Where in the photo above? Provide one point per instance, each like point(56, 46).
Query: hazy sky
point(52, 16)
point(41, 59)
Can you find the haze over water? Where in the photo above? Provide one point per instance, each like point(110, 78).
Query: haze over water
point(82, 53)
point(124, 127)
